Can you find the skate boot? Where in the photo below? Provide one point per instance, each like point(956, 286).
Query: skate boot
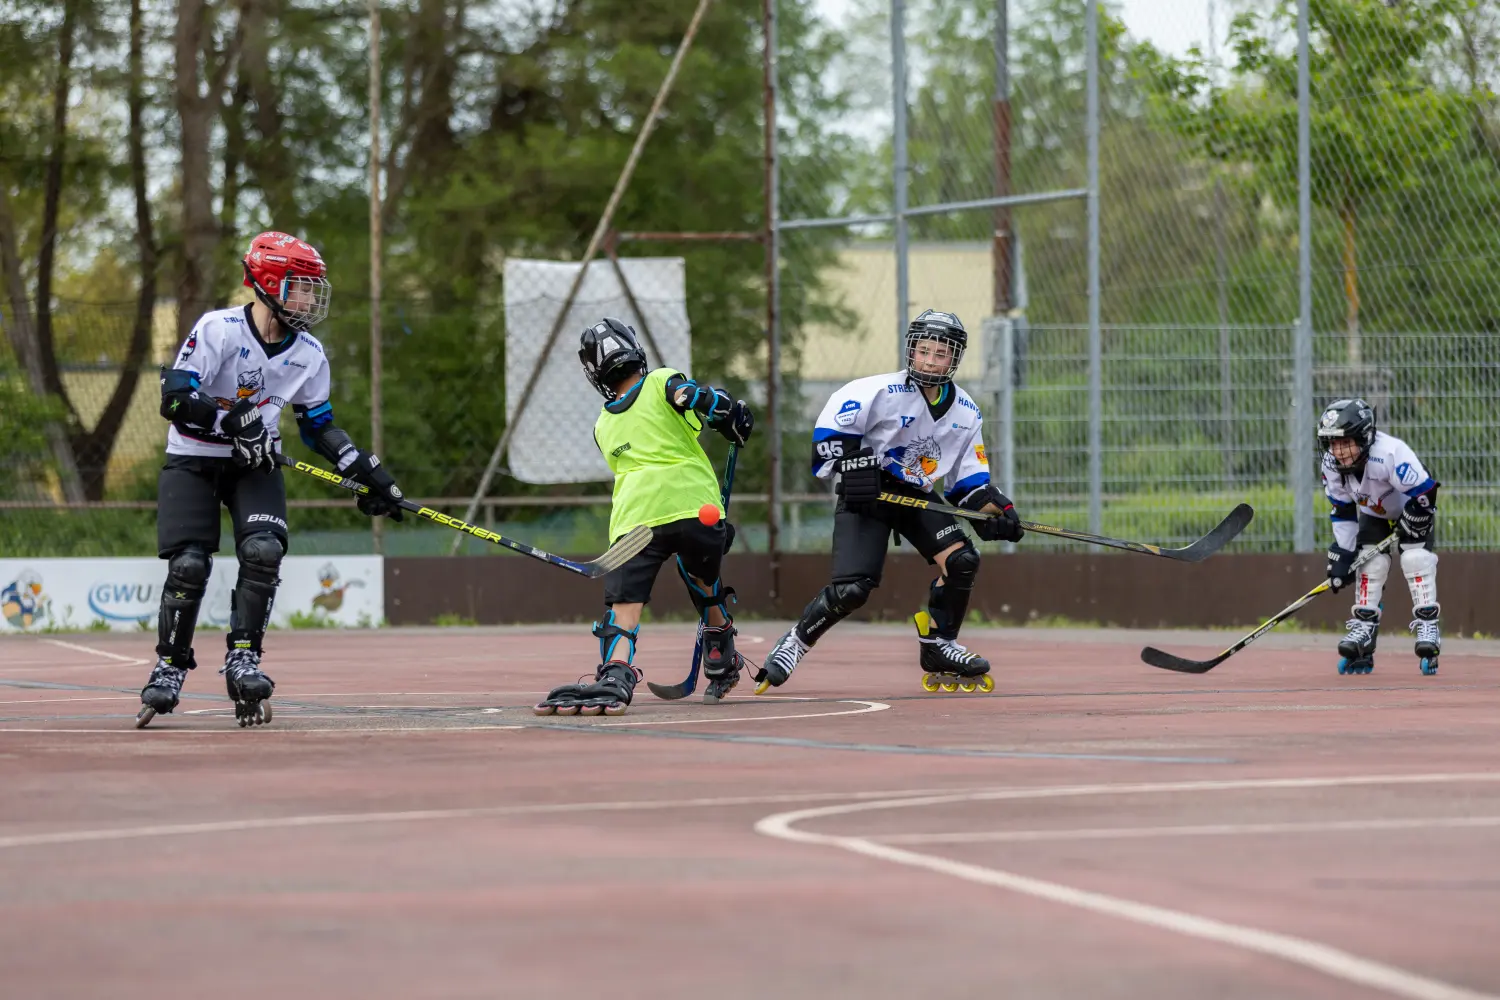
point(722, 663)
point(1429, 640)
point(947, 665)
point(249, 689)
point(1357, 648)
point(614, 684)
point(780, 661)
point(159, 696)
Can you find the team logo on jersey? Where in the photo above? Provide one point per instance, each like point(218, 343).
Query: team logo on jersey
point(248, 385)
point(848, 413)
point(1406, 474)
point(922, 455)
point(979, 454)
point(189, 347)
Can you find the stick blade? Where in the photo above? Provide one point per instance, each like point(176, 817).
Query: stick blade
point(1167, 661)
point(671, 692)
point(1223, 533)
point(620, 553)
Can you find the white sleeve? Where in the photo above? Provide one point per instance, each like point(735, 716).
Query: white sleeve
point(973, 466)
point(203, 350)
point(840, 427)
point(1345, 529)
point(317, 387)
point(1407, 472)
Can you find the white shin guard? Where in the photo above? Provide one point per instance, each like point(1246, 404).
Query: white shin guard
point(1370, 586)
point(1420, 566)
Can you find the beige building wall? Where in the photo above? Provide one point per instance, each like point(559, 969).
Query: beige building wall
point(956, 277)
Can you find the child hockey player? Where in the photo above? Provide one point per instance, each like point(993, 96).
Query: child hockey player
point(1376, 485)
point(237, 371)
point(899, 433)
point(648, 433)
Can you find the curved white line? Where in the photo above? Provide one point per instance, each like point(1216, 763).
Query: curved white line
point(1205, 830)
point(1319, 957)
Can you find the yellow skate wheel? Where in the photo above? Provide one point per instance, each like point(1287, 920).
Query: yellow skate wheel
point(968, 687)
point(987, 684)
point(950, 686)
point(763, 686)
point(929, 682)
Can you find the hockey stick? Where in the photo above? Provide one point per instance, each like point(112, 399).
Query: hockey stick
point(1167, 661)
point(673, 692)
point(617, 555)
point(1200, 550)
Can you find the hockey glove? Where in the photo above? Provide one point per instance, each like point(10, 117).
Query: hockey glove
point(1416, 520)
point(1002, 527)
point(859, 481)
point(735, 423)
point(249, 438)
point(384, 498)
point(1340, 567)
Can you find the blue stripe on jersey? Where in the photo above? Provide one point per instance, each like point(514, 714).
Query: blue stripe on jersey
point(1422, 487)
point(968, 483)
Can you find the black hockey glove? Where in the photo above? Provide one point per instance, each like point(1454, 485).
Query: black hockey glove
point(1417, 518)
point(248, 436)
point(739, 423)
point(1340, 567)
point(859, 481)
point(1002, 527)
point(384, 498)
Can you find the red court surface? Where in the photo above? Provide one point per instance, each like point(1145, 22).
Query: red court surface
point(406, 827)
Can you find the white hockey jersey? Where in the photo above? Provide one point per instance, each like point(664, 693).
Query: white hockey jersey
point(917, 442)
point(1392, 475)
point(232, 363)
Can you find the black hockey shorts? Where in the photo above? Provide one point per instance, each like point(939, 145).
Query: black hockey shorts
point(700, 547)
point(190, 490)
point(859, 542)
point(1374, 530)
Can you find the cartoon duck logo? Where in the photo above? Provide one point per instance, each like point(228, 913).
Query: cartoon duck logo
point(22, 601)
point(248, 385)
point(922, 455)
point(331, 597)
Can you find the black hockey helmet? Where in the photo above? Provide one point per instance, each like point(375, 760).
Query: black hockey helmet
point(1348, 418)
point(942, 327)
point(610, 352)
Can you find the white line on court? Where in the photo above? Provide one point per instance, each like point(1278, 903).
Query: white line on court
point(1310, 954)
point(97, 652)
point(1207, 830)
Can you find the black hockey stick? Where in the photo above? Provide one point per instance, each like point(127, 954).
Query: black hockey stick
point(673, 692)
point(1200, 550)
point(629, 544)
point(1167, 661)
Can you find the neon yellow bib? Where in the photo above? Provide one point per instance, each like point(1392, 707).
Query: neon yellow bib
point(661, 472)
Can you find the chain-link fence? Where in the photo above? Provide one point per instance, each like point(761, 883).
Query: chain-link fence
point(956, 171)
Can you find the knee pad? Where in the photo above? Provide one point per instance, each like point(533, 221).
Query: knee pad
point(609, 635)
point(1419, 564)
point(255, 591)
point(833, 603)
point(846, 596)
point(962, 567)
point(717, 596)
point(1370, 586)
point(181, 597)
point(188, 570)
point(260, 556)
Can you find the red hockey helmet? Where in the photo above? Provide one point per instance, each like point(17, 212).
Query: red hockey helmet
point(289, 276)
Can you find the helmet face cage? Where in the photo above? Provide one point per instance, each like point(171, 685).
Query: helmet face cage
point(1348, 419)
point(304, 301)
point(608, 351)
point(924, 335)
